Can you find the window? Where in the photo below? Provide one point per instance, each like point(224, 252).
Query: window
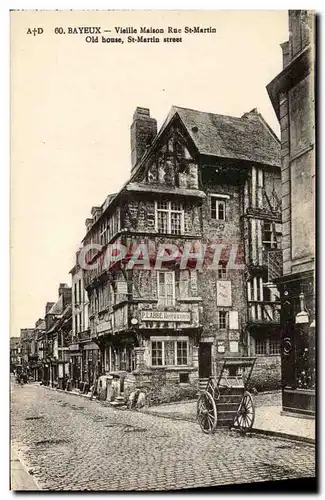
point(184, 378)
point(104, 232)
point(157, 353)
point(181, 353)
point(169, 217)
point(169, 348)
point(269, 236)
point(166, 287)
point(222, 271)
point(255, 289)
point(171, 352)
point(218, 208)
point(261, 346)
point(222, 320)
point(184, 288)
point(275, 346)
point(86, 312)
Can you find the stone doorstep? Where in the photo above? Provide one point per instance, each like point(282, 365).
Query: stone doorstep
point(297, 415)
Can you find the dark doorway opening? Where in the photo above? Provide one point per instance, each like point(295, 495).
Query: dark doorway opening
point(205, 360)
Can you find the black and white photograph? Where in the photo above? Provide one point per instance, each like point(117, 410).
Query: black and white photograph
point(162, 250)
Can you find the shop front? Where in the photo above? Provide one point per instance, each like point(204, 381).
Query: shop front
point(298, 354)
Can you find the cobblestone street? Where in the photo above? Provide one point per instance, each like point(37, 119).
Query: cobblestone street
point(71, 443)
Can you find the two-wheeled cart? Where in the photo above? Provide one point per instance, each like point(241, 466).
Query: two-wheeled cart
point(225, 402)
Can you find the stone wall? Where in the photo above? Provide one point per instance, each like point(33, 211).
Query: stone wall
point(229, 233)
point(266, 375)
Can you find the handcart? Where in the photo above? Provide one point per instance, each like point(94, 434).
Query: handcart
point(225, 402)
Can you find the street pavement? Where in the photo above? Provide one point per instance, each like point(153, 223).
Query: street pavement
point(72, 443)
point(268, 416)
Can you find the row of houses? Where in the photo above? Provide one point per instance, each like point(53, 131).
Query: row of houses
point(190, 262)
point(199, 225)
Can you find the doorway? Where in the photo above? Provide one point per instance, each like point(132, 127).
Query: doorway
point(205, 360)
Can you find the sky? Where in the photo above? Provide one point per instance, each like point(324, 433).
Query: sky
point(72, 104)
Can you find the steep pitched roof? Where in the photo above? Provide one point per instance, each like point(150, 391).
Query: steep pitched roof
point(41, 326)
point(245, 138)
point(57, 308)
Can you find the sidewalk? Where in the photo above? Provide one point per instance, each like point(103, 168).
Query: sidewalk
point(268, 418)
point(20, 479)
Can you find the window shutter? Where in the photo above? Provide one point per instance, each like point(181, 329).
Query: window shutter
point(193, 283)
point(233, 320)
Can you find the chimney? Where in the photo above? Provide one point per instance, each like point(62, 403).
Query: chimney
point(48, 306)
point(38, 322)
point(89, 223)
point(96, 212)
point(62, 287)
point(143, 131)
point(66, 291)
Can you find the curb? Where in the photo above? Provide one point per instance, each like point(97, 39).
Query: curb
point(15, 456)
point(284, 435)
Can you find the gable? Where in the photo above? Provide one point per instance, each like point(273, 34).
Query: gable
point(172, 162)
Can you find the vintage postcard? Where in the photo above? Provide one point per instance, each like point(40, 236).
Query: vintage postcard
point(162, 250)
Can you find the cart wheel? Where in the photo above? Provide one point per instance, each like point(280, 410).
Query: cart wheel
point(207, 413)
point(246, 413)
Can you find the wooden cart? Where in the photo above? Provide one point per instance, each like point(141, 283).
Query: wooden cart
point(225, 402)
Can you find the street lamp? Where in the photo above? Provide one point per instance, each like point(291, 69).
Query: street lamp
point(302, 316)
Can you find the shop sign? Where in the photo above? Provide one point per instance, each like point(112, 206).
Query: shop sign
point(102, 327)
point(224, 293)
point(182, 316)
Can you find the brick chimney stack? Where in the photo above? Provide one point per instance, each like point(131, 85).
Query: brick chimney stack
point(143, 132)
point(66, 291)
point(38, 322)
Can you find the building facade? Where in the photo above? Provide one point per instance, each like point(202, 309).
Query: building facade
point(15, 354)
point(292, 93)
point(83, 350)
point(58, 323)
point(199, 226)
point(27, 347)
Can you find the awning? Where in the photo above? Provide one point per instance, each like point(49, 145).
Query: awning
point(74, 347)
point(75, 355)
point(90, 347)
